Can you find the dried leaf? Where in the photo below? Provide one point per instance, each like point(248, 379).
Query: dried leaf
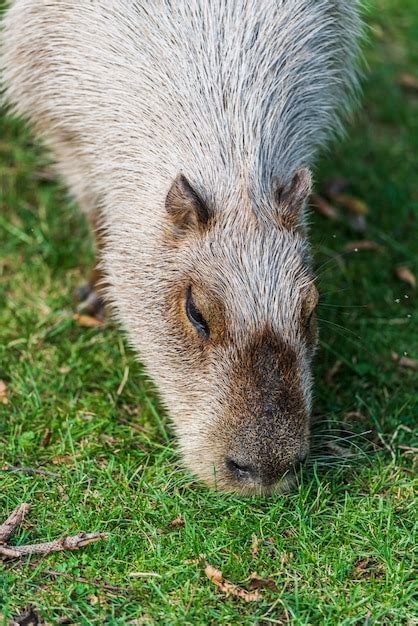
point(214, 575)
point(404, 273)
point(355, 246)
point(323, 207)
point(404, 361)
point(4, 399)
point(228, 588)
point(87, 321)
point(64, 369)
point(408, 82)
point(177, 522)
point(256, 582)
point(61, 459)
point(352, 204)
point(332, 371)
point(254, 546)
point(367, 568)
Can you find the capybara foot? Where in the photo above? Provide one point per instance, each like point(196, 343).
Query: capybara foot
point(90, 302)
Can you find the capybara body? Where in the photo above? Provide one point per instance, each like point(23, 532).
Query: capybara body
point(185, 129)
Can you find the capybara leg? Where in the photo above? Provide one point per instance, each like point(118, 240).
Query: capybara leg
point(90, 301)
point(91, 295)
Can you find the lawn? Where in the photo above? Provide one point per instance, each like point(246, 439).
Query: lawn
point(76, 403)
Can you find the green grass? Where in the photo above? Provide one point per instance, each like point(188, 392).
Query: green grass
point(341, 548)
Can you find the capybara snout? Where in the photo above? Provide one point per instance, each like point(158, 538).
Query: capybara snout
point(263, 430)
point(268, 444)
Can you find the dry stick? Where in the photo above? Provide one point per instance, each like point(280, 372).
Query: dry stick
point(31, 471)
point(15, 519)
point(66, 543)
point(79, 579)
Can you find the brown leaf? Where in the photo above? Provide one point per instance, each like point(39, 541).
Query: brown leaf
point(352, 204)
point(408, 82)
point(87, 321)
point(228, 588)
point(215, 575)
point(404, 361)
point(404, 273)
point(4, 399)
point(364, 244)
point(254, 546)
point(323, 207)
point(61, 459)
point(177, 522)
point(332, 371)
point(256, 582)
point(367, 568)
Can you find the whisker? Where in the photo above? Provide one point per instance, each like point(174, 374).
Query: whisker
point(321, 319)
point(343, 306)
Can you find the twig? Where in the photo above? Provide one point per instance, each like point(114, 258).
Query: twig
point(79, 579)
point(15, 519)
point(31, 471)
point(66, 543)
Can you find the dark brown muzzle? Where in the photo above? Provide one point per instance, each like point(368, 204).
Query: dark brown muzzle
point(268, 436)
point(260, 455)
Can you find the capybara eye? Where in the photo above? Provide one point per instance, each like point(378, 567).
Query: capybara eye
point(194, 315)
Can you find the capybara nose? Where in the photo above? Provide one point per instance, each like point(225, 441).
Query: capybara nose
point(240, 471)
point(265, 474)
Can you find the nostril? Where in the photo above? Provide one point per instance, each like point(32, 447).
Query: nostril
point(241, 472)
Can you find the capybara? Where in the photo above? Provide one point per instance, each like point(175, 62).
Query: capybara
point(185, 130)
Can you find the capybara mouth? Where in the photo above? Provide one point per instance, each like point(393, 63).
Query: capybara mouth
point(282, 486)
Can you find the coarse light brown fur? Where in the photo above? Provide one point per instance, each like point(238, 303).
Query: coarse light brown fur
point(185, 130)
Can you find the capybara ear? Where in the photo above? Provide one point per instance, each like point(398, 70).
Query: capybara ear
point(185, 207)
point(291, 198)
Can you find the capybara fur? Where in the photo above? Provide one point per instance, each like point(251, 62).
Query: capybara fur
point(186, 129)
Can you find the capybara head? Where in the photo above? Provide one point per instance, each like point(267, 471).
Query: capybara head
point(226, 326)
